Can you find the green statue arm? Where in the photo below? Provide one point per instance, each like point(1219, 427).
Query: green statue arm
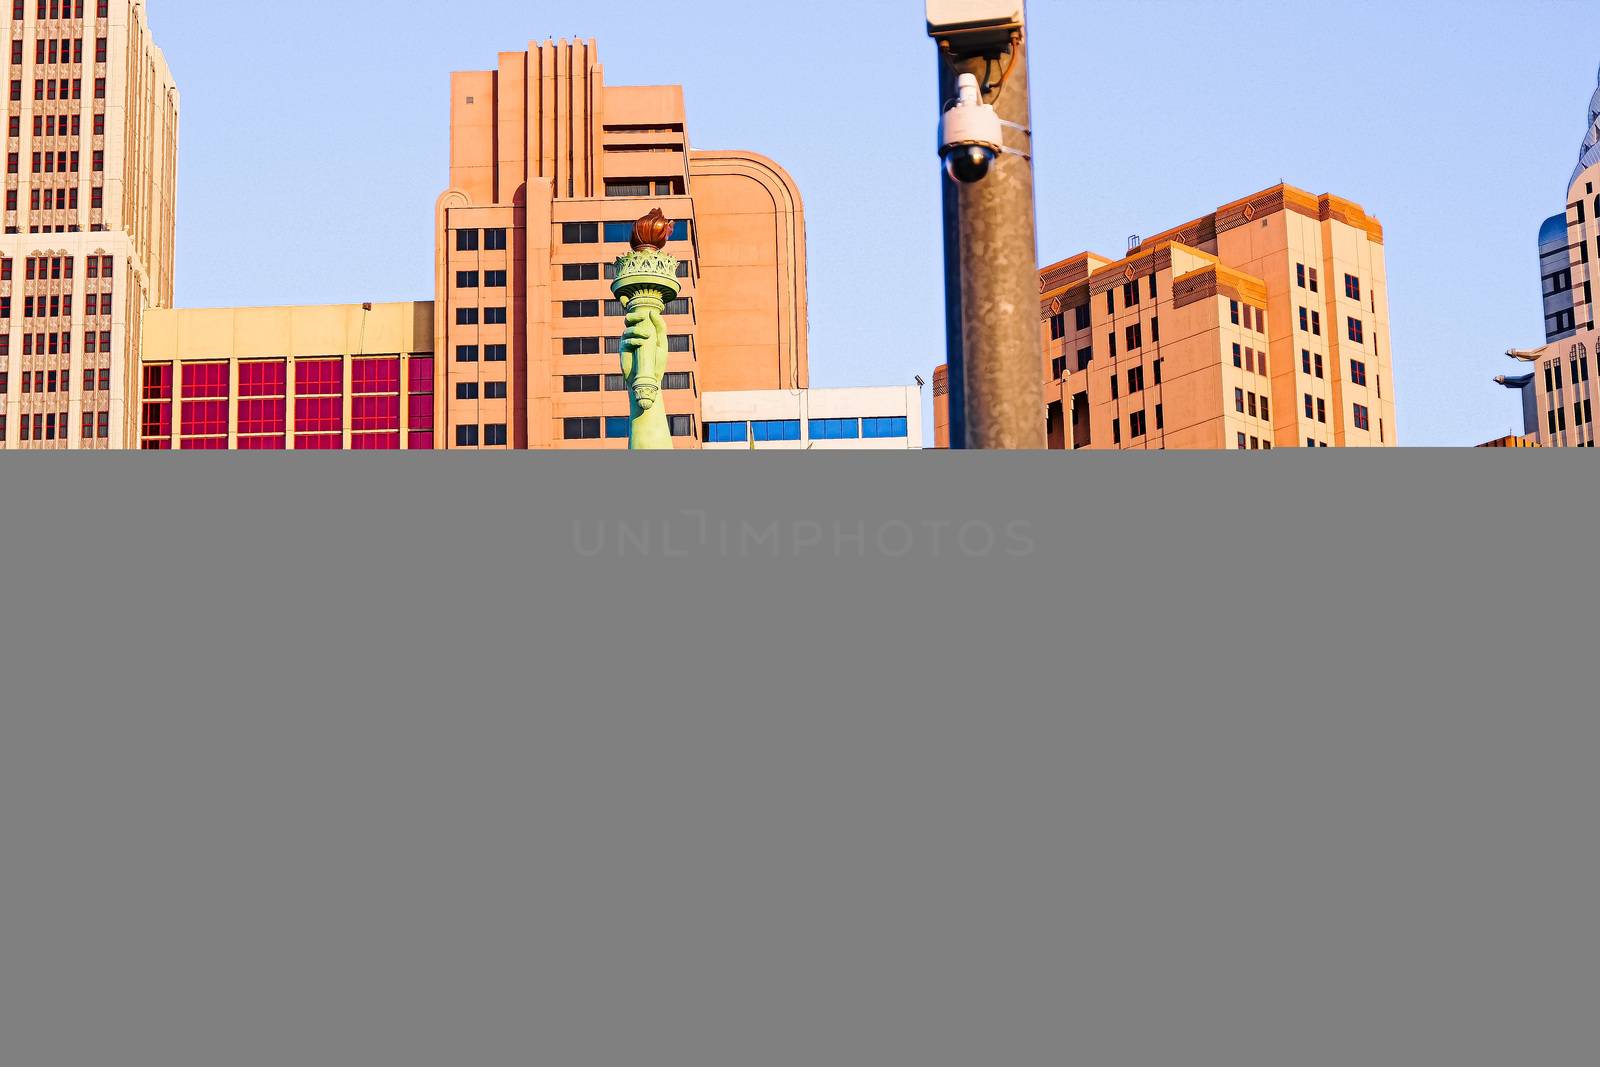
point(644, 365)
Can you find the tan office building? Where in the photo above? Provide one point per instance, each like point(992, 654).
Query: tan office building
point(91, 174)
point(549, 168)
point(1262, 325)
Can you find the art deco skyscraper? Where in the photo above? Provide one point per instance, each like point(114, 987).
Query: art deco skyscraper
point(91, 178)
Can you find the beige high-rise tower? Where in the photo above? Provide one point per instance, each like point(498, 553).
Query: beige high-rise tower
point(91, 179)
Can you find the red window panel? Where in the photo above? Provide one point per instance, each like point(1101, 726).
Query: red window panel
point(318, 377)
point(375, 375)
point(319, 414)
point(421, 412)
point(264, 378)
point(375, 413)
point(205, 444)
point(421, 374)
point(205, 380)
point(263, 416)
point(260, 444)
point(156, 420)
point(204, 418)
point(158, 381)
point(155, 446)
point(420, 440)
point(368, 442)
point(320, 442)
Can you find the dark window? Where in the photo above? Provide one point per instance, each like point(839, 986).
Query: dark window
point(618, 426)
point(494, 391)
point(1082, 314)
point(1357, 331)
point(466, 353)
point(494, 433)
point(494, 240)
point(580, 346)
point(466, 437)
point(1363, 420)
point(580, 272)
point(466, 279)
point(677, 380)
point(466, 240)
point(580, 309)
point(494, 316)
point(466, 390)
point(616, 383)
point(581, 233)
point(724, 433)
point(1136, 425)
point(1058, 326)
point(1352, 287)
point(581, 429)
point(580, 383)
point(681, 425)
point(1358, 372)
point(466, 316)
point(494, 279)
point(494, 353)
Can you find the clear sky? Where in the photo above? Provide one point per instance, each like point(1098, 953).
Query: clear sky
point(314, 143)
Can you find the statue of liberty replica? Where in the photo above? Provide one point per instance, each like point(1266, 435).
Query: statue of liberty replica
point(647, 278)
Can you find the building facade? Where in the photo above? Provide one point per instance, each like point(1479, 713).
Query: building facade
point(357, 376)
point(1553, 382)
point(1262, 325)
point(549, 168)
point(91, 178)
point(872, 419)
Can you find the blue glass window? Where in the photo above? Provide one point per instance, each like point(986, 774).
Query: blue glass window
point(618, 425)
point(883, 429)
point(777, 430)
point(722, 433)
point(619, 233)
point(835, 429)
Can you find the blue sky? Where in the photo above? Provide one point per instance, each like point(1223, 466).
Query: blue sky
point(324, 128)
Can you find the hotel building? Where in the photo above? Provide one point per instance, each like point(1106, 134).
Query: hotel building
point(1262, 325)
point(1556, 386)
point(549, 168)
point(91, 172)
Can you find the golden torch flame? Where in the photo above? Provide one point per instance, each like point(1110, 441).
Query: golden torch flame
point(651, 233)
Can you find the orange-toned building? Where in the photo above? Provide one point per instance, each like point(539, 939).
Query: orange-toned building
point(549, 167)
point(90, 186)
point(1262, 325)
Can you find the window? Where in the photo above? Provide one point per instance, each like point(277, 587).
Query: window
point(1305, 321)
point(1136, 425)
point(580, 383)
point(1300, 275)
point(1116, 431)
point(1322, 411)
point(466, 390)
point(466, 437)
point(466, 316)
point(1085, 357)
point(494, 353)
point(587, 429)
point(1252, 405)
point(1161, 418)
point(884, 428)
point(1363, 420)
point(1058, 368)
point(581, 233)
point(1135, 337)
point(1238, 356)
point(1358, 372)
point(580, 346)
point(1311, 408)
point(1081, 314)
point(494, 316)
point(681, 425)
point(627, 188)
point(494, 240)
point(1244, 444)
point(466, 240)
point(1238, 401)
point(580, 309)
point(679, 306)
point(616, 383)
point(1318, 364)
point(619, 426)
point(1155, 330)
point(580, 272)
point(1136, 380)
point(1130, 294)
point(835, 429)
point(1316, 323)
point(1313, 278)
point(494, 391)
point(1058, 326)
point(494, 279)
point(622, 232)
point(1233, 311)
point(1352, 287)
point(726, 433)
point(677, 380)
point(466, 279)
point(776, 430)
point(1266, 409)
point(1357, 331)
point(494, 434)
point(466, 353)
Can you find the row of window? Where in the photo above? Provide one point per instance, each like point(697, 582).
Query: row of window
point(1553, 378)
point(56, 344)
point(1582, 414)
point(1138, 425)
point(1253, 444)
point(491, 390)
point(590, 309)
point(1058, 321)
point(644, 187)
point(592, 346)
point(1306, 278)
point(616, 383)
point(612, 233)
point(49, 381)
point(1246, 403)
point(1247, 317)
point(489, 353)
point(593, 272)
point(54, 307)
point(494, 435)
point(493, 240)
point(495, 316)
point(1136, 379)
point(60, 9)
point(616, 427)
point(59, 125)
point(489, 279)
point(58, 89)
point(886, 428)
point(43, 426)
point(56, 162)
point(1248, 359)
point(58, 50)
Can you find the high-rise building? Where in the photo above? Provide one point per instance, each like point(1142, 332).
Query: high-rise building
point(549, 169)
point(1262, 325)
point(1555, 387)
point(91, 179)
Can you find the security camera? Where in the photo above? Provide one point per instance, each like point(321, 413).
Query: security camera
point(970, 135)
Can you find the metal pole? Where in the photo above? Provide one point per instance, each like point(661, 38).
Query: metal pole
point(991, 262)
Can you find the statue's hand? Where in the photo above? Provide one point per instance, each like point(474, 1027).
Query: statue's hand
point(638, 346)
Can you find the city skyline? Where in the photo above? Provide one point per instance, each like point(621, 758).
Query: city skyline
point(1499, 77)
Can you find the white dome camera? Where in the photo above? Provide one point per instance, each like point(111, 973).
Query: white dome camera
point(970, 135)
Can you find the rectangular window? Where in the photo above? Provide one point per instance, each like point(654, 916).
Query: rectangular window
point(1116, 431)
point(1238, 401)
point(466, 353)
point(1363, 420)
point(494, 279)
point(494, 390)
point(466, 240)
point(494, 353)
point(1357, 331)
point(466, 437)
point(581, 233)
point(616, 383)
point(1358, 372)
point(1135, 380)
point(494, 240)
point(580, 272)
point(494, 316)
point(1266, 409)
point(1136, 425)
point(677, 380)
point(884, 428)
point(1300, 275)
point(1322, 411)
point(1058, 326)
point(494, 434)
point(1238, 356)
point(835, 429)
point(466, 316)
point(727, 433)
point(620, 426)
point(580, 309)
point(466, 279)
point(1233, 311)
point(681, 425)
point(1081, 314)
point(1352, 287)
point(580, 383)
point(1316, 323)
point(580, 346)
point(1313, 274)
point(1085, 357)
point(1135, 337)
point(776, 430)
